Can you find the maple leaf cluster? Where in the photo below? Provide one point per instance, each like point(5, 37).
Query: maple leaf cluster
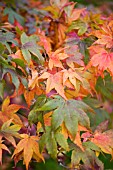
point(56, 69)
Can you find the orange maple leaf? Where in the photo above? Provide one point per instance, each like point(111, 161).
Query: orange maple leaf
point(61, 33)
point(72, 13)
point(104, 35)
point(55, 57)
point(8, 112)
point(27, 148)
point(101, 58)
point(45, 41)
point(54, 81)
point(47, 120)
point(77, 139)
point(2, 146)
point(104, 141)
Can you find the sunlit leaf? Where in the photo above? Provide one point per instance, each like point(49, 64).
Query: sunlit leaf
point(28, 147)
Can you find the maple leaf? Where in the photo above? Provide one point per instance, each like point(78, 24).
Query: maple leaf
point(14, 78)
point(54, 81)
point(33, 88)
point(2, 146)
point(8, 131)
point(104, 87)
point(77, 139)
point(54, 10)
point(76, 78)
point(58, 3)
point(61, 33)
point(28, 147)
point(45, 42)
point(12, 15)
point(89, 159)
point(29, 46)
point(75, 57)
point(105, 35)
point(7, 37)
point(101, 58)
point(45, 121)
point(102, 126)
point(57, 7)
point(35, 116)
point(72, 14)
point(8, 112)
point(55, 57)
point(80, 26)
point(20, 91)
point(18, 55)
point(94, 19)
point(104, 141)
point(71, 112)
point(33, 79)
point(30, 95)
point(51, 138)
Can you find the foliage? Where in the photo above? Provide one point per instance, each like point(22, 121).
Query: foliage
point(56, 87)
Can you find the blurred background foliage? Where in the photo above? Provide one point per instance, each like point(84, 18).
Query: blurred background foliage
point(93, 2)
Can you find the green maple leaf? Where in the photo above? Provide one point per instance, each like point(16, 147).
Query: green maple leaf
point(80, 26)
point(71, 112)
point(5, 38)
point(51, 138)
point(89, 158)
point(12, 15)
point(29, 46)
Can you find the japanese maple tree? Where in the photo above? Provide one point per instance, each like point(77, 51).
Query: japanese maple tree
point(56, 83)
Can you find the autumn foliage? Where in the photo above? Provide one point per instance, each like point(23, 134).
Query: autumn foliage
point(56, 88)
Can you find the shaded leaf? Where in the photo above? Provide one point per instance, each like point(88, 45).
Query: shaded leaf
point(2, 86)
point(89, 159)
point(51, 143)
point(33, 114)
point(61, 140)
point(14, 77)
point(105, 87)
point(7, 37)
point(12, 15)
